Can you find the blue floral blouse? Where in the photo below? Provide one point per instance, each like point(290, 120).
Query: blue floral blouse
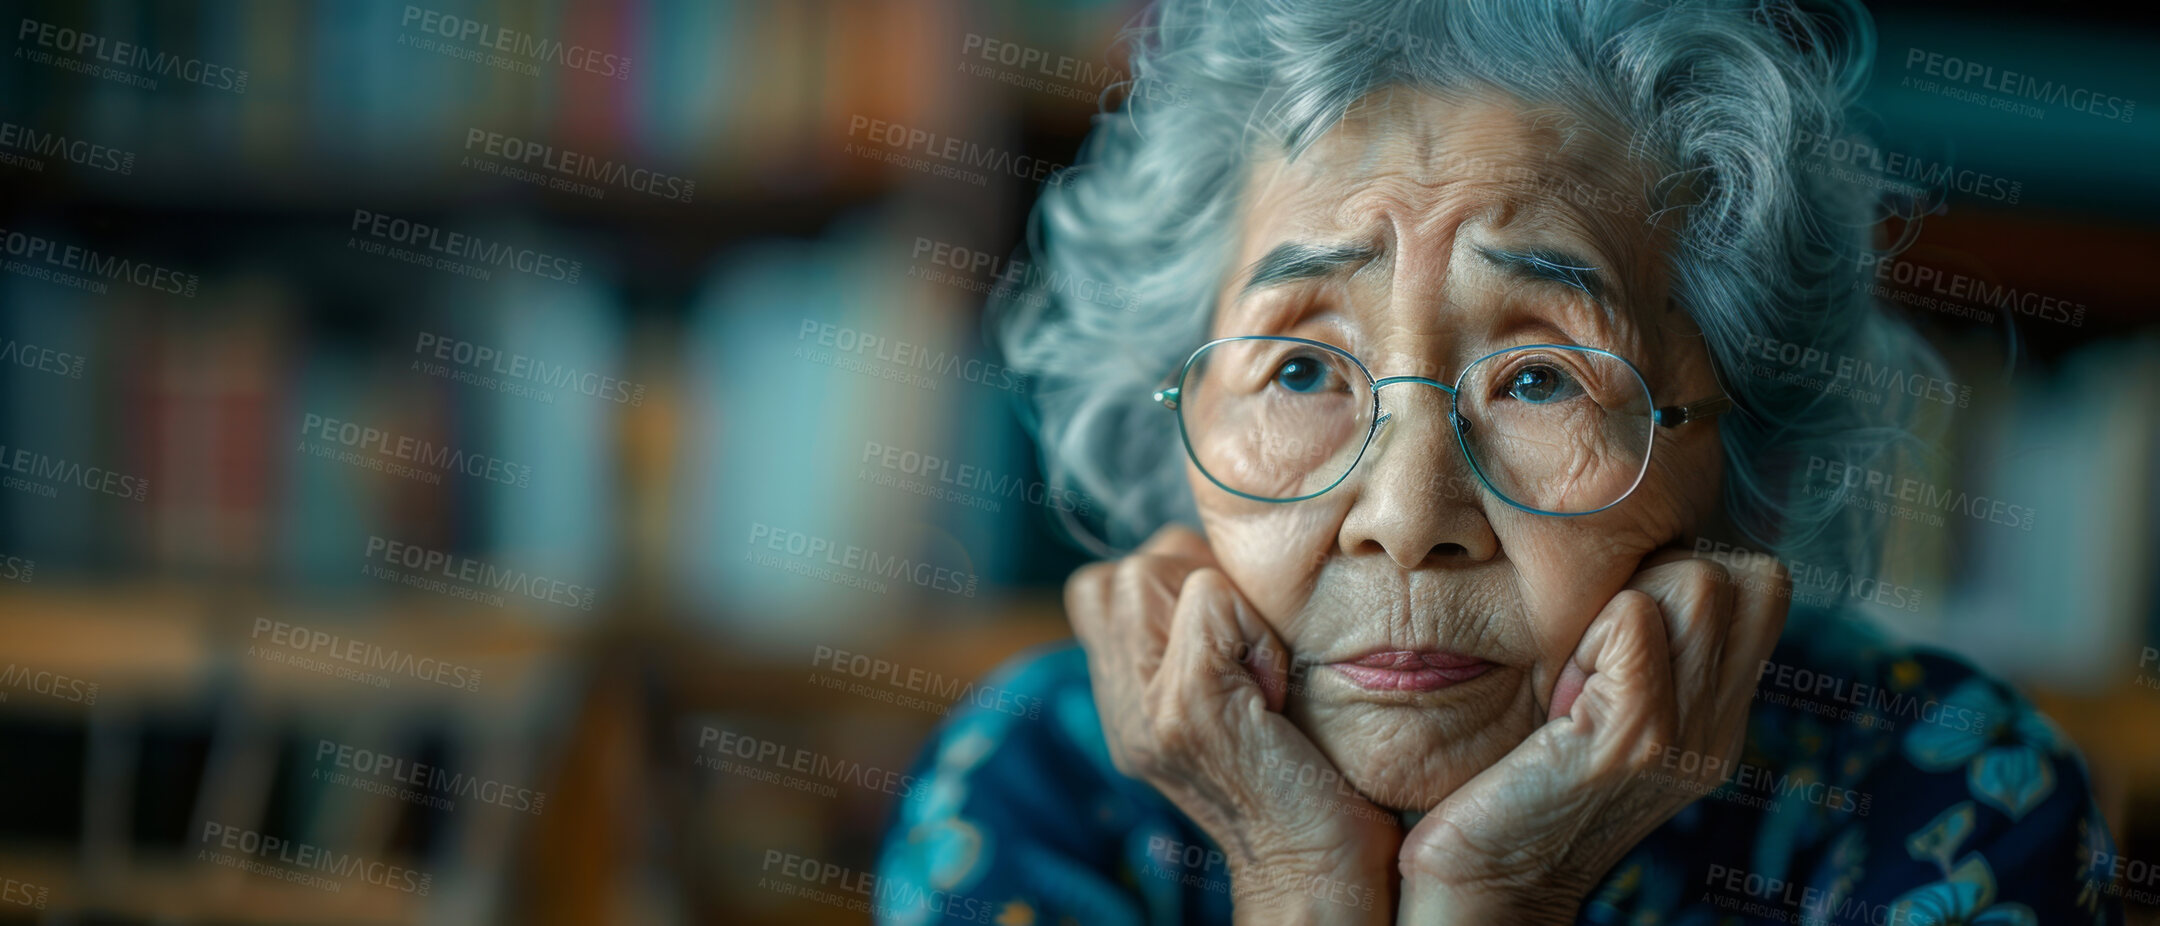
point(1879, 785)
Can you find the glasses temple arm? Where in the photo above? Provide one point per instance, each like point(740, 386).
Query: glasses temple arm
point(1673, 416)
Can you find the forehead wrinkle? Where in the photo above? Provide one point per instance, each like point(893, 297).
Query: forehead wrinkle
point(1534, 223)
point(1583, 153)
point(1297, 261)
point(1537, 224)
point(1277, 310)
point(1385, 172)
point(1611, 330)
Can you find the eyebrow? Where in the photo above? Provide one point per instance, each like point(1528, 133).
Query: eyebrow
point(1550, 265)
point(1298, 260)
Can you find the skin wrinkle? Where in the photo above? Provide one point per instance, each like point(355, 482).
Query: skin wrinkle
point(1408, 552)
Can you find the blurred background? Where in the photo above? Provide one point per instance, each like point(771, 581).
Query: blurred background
point(439, 441)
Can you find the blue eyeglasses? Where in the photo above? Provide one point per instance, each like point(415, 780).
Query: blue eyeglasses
point(1553, 429)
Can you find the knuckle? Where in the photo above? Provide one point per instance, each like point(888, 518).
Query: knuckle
point(1203, 582)
point(1636, 607)
point(1171, 538)
point(1146, 583)
point(1129, 759)
point(1711, 569)
point(1781, 578)
point(1084, 590)
point(1704, 583)
point(1174, 733)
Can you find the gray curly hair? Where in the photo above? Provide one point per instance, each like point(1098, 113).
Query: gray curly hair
point(1718, 97)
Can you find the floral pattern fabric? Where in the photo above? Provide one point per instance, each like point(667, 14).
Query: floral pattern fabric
point(1879, 784)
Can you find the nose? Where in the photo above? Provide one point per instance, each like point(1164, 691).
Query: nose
point(1417, 500)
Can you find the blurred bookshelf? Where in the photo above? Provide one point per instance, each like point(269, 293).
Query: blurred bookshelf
point(700, 303)
point(204, 397)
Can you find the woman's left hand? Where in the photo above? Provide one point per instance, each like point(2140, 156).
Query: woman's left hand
point(1667, 668)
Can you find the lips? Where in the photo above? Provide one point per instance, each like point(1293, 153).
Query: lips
point(1411, 670)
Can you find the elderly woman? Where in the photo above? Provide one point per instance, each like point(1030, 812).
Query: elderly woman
point(1449, 399)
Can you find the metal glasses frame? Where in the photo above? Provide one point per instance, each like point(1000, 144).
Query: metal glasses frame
point(1670, 416)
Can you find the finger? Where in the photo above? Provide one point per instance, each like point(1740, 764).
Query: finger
point(1763, 596)
point(1572, 677)
point(1695, 597)
point(1180, 542)
point(1144, 600)
point(1220, 647)
point(1627, 698)
point(1620, 718)
point(1088, 606)
point(1666, 556)
point(1087, 598)
point(1763, 600)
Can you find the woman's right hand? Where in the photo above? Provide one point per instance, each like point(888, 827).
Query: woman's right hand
point(1189, 682)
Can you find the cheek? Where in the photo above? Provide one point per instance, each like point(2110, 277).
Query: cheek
point(1569, 569)
point(1565, 585)
point(1680, 492)
point(1272, 553)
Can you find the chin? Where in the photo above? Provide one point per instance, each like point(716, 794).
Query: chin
point(1393, 786)
point(1411, 756)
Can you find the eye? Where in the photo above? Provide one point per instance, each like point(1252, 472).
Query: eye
point(1302, 375)
point(1541, 384)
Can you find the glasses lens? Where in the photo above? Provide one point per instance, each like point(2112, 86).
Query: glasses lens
point(1275, 419)
point(1554, 429)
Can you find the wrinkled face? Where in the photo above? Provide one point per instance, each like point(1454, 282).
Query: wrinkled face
point(1418, 201)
